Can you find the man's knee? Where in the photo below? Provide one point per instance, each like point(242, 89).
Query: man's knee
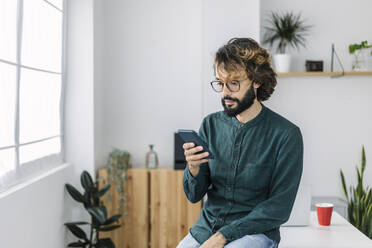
point(188, 242)
point(253, 241)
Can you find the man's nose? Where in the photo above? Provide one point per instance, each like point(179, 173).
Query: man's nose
point(225, 90)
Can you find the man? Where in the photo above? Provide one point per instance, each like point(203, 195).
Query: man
point(253, 180)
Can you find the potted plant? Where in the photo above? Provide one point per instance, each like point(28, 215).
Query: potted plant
point(285, 29)
point(359, 50)
point(359, 201)
point(100, 221)
point(118, 164)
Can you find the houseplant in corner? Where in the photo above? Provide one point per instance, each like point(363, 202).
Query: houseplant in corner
point(359, 201)
point(283, 30)
point(100, 222)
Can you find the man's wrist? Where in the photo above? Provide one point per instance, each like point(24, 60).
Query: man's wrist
point(221, 237)
point(194, 170)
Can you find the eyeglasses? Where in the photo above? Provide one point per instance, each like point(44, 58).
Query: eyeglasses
point(233, 86)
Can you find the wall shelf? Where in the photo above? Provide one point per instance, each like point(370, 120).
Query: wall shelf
point(324, 74)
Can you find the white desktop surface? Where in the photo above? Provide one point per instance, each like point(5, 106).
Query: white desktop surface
point(340, 234)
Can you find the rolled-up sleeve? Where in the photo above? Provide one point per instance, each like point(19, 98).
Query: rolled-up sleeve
point(196, 187)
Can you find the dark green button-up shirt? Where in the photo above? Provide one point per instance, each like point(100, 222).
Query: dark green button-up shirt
point(252, 182)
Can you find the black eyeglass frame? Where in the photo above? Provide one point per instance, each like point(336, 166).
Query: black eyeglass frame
point(228, 85)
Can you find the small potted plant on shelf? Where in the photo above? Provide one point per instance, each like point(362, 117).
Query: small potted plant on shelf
point(285, 29)
point(359, 201)
point(362, 56)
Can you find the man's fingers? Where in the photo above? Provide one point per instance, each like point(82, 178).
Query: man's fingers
point(197, 163)
point(188, 145)
point(204, 161)
point(197, 157)
point(192, 151)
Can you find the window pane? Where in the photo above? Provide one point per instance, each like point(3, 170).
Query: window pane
point(40, 94)
point(34, 151)
point(7, 161)
point(7, 103)
point(8, 30)
point(42, 36)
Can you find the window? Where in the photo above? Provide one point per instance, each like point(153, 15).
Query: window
point(31, 87)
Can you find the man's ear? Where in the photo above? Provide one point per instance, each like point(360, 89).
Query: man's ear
point(256, 85)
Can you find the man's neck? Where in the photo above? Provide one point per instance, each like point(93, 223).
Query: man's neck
point(250, 113)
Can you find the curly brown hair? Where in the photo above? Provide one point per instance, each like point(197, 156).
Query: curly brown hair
point(246, 53)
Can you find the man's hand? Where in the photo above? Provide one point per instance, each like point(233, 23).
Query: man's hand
point(194, 160)
point(217, 240)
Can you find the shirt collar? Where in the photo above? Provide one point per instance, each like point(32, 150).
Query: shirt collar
point(250, 123)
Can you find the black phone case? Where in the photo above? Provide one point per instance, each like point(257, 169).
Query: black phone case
point(191, 136)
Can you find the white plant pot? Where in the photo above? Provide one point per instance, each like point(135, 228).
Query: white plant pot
point(282, 62)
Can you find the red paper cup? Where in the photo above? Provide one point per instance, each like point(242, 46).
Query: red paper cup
point(324, 212)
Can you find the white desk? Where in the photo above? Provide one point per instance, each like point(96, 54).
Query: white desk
point(340, 234)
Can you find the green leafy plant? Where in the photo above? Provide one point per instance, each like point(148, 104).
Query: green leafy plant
point(286, 29)
point(359, 46)
point(100, 222)
point(118, 164)
point(359, 201)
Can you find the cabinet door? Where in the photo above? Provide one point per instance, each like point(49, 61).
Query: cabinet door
point(134, 232)
point(171, 213)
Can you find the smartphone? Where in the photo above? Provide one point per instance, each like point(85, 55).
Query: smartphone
point(191, 136)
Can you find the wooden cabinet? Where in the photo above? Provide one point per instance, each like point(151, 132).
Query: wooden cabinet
point(159, 214)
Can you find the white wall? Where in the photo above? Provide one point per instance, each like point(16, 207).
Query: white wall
point(100, 158)
point(33, 215)
point(157, 65)
point(334, 114)
point(79, 107)
point(222, 21)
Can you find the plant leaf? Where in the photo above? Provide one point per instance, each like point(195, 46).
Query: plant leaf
point(105, 243)
point(98, 213)
point(77, 223)
point(75, 194)
point(86, 197)
point(77, 244)
point(103, 190)
point(360, 183)
point(108, 228)
point(112, 219)
point(77, 231)
point(344, 185)
point(363, 162)
point(86, 181)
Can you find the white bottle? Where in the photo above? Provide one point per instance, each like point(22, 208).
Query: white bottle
point(152, 161)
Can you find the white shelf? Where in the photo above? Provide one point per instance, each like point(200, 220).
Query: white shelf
point(324, 74)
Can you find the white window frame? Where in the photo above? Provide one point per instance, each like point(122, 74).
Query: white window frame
point(41, 164)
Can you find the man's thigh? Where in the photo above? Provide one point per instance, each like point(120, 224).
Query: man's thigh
point(188, 242)
point(253, 241)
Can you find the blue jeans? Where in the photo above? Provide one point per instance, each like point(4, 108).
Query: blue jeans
point(251, 241)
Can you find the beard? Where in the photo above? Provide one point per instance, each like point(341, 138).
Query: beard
point(245, 103)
